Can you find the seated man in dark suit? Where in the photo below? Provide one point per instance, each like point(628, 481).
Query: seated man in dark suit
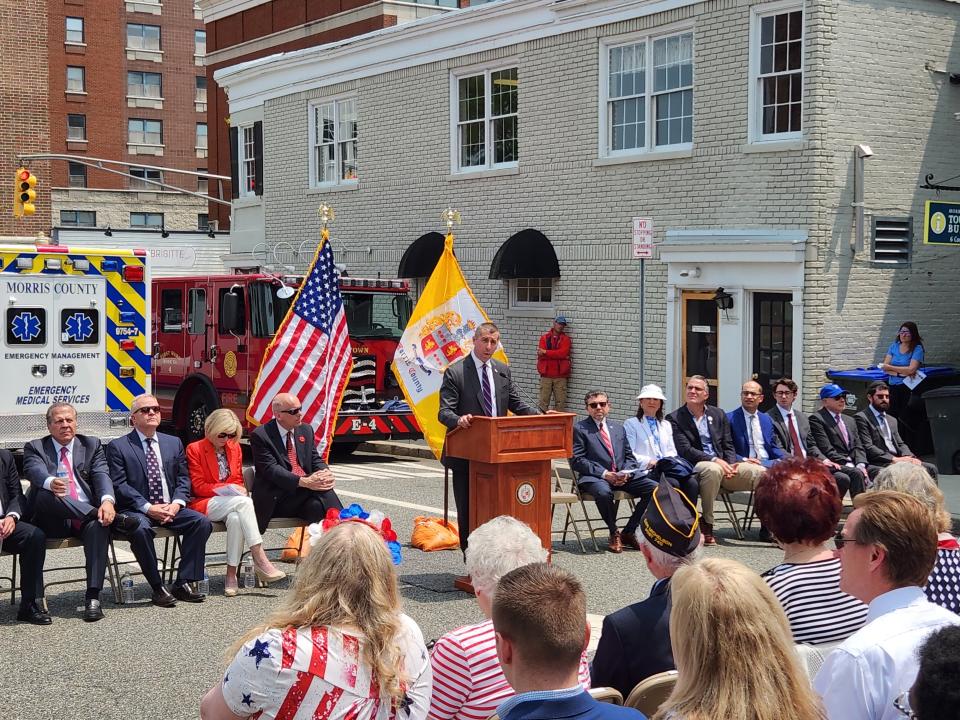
point(604, 462)
point(792, 428)
point(150, 476)
point(702, 435)
point(880, 436)
point(291, 480)
point(78, 505)
point(28, 541)
point(836, 436)
point(635, 642)
point(540, 619)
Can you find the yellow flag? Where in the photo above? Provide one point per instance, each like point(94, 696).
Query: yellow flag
point(439, 333)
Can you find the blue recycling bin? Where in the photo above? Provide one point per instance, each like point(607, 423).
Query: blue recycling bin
point(914, 426)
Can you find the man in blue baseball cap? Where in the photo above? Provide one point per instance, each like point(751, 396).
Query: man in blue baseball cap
point(553, 364)
point(836, 436)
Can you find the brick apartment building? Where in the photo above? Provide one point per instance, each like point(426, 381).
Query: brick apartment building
point(250, 29)
point(24, 127)
point(739, 128)
point(127, 83)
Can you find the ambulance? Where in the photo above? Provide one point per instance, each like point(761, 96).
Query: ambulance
point(74, 330)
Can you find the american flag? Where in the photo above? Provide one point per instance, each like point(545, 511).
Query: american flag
point(310, 355)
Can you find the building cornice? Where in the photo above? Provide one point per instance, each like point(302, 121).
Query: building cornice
point(211, 10)
point(471, 30)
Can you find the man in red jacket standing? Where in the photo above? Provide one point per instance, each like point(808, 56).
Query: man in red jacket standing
point(553, 364)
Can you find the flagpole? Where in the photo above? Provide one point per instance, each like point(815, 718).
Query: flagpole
point(326, 214)
point(449, 217)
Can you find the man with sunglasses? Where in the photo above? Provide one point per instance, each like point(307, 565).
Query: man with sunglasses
point(81, 504)
point(291, 479)
point(150, 476)
point(887, 549)
point(604, 462)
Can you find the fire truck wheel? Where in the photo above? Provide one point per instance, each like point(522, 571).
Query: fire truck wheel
point(201, 405)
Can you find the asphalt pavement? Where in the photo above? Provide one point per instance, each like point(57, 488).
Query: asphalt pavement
point(147, 662)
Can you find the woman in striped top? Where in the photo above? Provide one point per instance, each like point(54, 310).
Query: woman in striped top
point(467, 679)
point(799, 502)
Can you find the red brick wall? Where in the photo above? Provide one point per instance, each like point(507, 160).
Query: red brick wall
point(24, 126)
point(255, 23)
point(105, 105)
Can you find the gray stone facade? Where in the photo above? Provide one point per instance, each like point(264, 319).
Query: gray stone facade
point(775, 219)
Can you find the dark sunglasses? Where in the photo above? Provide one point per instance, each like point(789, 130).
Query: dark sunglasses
point(226, 436)
point(149, 410)
point(293, 411)
point(595, 405)
point(839, 541)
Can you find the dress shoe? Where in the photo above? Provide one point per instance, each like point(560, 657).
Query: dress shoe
point(124, 523)
point(272, 577)
point(187, 593)
point(162, 598)
point(765, 535)
point(33, 612)
point(616, 544)
point(630, 540)
point(707, 531)
point(92, 612)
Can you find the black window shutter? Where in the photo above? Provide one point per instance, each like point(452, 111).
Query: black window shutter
point(258, 156)
point(234, 164)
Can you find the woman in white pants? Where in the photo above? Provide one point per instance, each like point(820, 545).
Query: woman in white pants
point(216, 474)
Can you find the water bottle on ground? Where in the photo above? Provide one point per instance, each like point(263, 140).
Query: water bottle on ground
point(126, 588)
point(247, 574)
point(205, 582)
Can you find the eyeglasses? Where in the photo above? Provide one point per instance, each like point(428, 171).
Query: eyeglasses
point(839, 541)
point(747, 393)
point(293, 411)
point(227, 436)
point(902, 703)
point(149, 410)
point(905, 332)
point(595, 405)
point(782, 393)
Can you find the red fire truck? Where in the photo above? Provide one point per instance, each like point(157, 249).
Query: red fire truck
point(210, 334)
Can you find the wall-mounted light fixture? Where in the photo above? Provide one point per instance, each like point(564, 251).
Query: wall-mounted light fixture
point(723, 299)
point(108, 232)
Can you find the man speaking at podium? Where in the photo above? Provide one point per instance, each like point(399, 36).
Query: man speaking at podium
point(476, 385)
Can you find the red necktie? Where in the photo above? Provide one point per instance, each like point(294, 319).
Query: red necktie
point(292, 457)
point(794, 437)
point(605, 438)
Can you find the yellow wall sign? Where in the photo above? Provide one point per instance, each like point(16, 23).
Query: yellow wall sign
point(941, 223)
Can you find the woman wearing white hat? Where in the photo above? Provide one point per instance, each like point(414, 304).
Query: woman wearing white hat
point(651, 439)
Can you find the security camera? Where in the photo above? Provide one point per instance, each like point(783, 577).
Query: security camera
point(955, 78)
point(863, 151)
point(692, 273)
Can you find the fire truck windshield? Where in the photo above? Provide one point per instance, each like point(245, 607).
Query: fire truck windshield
point(376, 315)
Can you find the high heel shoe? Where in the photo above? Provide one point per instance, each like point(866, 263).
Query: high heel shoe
point(268, 578)
point(230, 590)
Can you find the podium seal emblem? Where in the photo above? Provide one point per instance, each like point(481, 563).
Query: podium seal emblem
point(525, 493)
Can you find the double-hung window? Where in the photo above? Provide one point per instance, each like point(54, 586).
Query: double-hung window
point(144, 132)
point(647, 91)
point(143, 37)
point(333, 140)
point(246, 160)
point(144, 84)
point(776, 70)
point(76, 79)
point(73, 27)
point(77, 128)
point(485, 112)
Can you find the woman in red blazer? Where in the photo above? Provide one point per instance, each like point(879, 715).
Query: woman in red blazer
point(216, 474)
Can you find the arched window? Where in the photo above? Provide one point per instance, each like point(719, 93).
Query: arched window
point(420, 258)
point(528, 262)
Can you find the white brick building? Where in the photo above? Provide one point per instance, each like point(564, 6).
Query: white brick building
point(749, 178)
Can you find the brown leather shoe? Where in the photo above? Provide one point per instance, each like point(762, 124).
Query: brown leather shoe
point(616, 545)
point(708, 539)
point(630, 540)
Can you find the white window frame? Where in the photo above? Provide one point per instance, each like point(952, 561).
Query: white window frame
point(142, 85)
point(201, 136)
point(72, 127)
point(604, 134)
point(141, 42)
point(486, 71)
point(67, 31)
point(197, 97)
point(336, 102)
point(143, 132)
point(246, 164)
point(197, 50)
point(755, 134)
point(516, 304)
point(83, 80)
point(71, 176)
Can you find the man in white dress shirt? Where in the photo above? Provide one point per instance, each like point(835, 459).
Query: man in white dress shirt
point(888, 548)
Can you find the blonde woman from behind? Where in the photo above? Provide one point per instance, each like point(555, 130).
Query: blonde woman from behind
point(338, 646)
point(733, 649)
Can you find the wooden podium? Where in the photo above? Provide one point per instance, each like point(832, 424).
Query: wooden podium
point(510, 471)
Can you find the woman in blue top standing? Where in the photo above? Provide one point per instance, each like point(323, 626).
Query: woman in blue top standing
point(904, 357)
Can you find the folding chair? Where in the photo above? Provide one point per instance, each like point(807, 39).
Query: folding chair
point(726, 497)
point(618, 497)
point(607, 695)
point(567, 499)
point(280, 523)
point(650, 693)
point(167, 562)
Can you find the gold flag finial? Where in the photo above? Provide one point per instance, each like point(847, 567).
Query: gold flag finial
point(326, 214)
point(450, 217)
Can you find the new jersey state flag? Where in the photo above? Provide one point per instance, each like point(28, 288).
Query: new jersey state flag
point(439, 333)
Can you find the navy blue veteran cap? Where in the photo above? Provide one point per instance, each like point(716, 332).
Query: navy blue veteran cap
point(670, 521)
point(831, 390)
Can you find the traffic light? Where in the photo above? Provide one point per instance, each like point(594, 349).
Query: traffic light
point(24, 193)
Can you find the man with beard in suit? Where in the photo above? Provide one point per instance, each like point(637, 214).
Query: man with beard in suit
point(291, 480)
point(880, 435)
point(478, 384)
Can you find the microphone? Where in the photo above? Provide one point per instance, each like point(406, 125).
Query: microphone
point(526, 397)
